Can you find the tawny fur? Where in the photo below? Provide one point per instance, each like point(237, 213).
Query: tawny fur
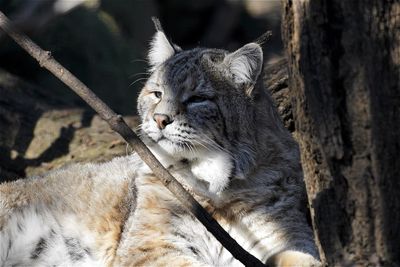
point(223, 141)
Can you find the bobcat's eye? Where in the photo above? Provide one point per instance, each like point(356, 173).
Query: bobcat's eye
point(157, 94)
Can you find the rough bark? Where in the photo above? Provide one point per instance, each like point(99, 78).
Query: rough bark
point(344, 75)
point(276, 82)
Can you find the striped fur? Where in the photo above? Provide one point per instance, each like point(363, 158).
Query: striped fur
point(223, 140)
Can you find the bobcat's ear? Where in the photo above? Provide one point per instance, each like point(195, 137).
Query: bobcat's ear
point(245, 64)
point(161, 48)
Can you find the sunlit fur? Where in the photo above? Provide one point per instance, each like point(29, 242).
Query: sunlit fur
point(160, 50)
point(224, 142)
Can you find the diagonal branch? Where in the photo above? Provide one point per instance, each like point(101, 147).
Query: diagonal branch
point(118, 124)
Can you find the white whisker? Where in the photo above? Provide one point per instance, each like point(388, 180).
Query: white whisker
point(140, 73)
point(140, 79)
point(214, 144)
point(138, 127)
point(139, 60)
point(201, 144)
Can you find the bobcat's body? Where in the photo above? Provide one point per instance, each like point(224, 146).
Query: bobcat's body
point(70, 216)
point(216, 130)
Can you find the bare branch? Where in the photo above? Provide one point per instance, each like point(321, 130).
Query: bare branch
point(118, 124)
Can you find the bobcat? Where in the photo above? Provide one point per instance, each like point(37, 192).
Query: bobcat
point(208, 119)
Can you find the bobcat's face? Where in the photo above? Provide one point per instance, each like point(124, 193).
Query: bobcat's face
point(197, 105)
point(180, 107)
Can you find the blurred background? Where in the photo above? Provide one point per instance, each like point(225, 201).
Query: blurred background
point(44, 125)
point(104, 42)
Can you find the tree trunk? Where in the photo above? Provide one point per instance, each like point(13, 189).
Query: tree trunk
point(344, 75)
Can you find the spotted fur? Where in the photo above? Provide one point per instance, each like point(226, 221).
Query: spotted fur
point(208, 119)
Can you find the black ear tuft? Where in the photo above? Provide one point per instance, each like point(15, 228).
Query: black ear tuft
point(265, 37)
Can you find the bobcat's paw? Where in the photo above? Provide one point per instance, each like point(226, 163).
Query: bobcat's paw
point(291, 258)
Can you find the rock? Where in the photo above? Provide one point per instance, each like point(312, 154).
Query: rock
point(38, 136)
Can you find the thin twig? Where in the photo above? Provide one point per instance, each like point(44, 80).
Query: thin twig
point(118, 124)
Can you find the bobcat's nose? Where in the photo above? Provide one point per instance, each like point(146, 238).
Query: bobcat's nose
point(162, 120)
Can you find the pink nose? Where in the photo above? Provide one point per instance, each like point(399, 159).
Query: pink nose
point(162, 120)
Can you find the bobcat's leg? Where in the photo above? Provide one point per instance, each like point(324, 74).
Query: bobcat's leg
point(292, 258)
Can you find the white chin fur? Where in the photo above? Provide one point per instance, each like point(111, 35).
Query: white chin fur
point(214, 167)
point(175, 150)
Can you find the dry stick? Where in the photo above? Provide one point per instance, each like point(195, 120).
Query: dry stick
point(118, 124)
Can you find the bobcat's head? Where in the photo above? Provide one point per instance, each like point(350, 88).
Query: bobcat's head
point(198, 105)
